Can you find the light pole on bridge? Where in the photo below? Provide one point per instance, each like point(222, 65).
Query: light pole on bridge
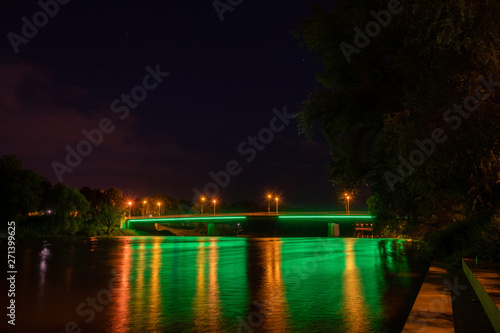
point(277, 199)
point(347, 206)
point(215, 201)
point(269, 204)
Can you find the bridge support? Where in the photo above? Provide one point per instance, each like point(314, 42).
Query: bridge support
point(212, 230)
point(333, 230)
point(219, 229)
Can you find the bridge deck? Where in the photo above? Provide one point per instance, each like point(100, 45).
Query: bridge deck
point(239, 217)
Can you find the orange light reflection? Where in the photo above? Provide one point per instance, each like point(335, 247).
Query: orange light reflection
point(121, 292)
point(207, 302)
point(272, 294)
point(354, 309)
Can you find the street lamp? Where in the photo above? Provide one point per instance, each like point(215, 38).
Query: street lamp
point(129, 208)
point(202, 201)
point(277, 205)
point(269, 204)
point(215, 201)
point(347, 207)
point(159, 208)
point(144, 208)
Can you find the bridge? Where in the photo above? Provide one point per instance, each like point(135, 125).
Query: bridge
point(217, 224)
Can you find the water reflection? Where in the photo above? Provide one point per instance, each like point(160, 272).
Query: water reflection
point(154, 282)
point(68, 276)
point(44, 257)
point(268, 309)
point(202, 284)
point(207, 298)
point(273, 290)
point(213, 288)
point(398, 274)
point(353, 297)
point(200, 298)
point(121, 292)
point(139, 293)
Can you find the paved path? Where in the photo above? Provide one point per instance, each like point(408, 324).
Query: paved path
point(432, 310)
point(447, 302)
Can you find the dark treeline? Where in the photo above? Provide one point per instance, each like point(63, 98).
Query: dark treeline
point(408, 97)
point(42, 209)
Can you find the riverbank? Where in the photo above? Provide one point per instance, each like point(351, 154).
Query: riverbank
point(83, 234)
point(125, 232)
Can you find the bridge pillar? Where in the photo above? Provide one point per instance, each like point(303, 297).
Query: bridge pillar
point(219, 229)
point(124, 223)
point(333, 230)
point(212, 230)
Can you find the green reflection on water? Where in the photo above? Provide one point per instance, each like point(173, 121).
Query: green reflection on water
point(168, 283)
point(205, 284)
point(313, 272)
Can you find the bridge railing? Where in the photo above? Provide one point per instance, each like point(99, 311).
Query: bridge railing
point(325, 213)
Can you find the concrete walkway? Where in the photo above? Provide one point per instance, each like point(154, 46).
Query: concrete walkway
point(432, 310)
point(448, 302)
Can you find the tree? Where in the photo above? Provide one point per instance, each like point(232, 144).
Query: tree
point(110, 216)
point(68, 206)
point(107, 207)
point(21, 190)
point(374, 106)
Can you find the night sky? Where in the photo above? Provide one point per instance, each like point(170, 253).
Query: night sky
point(225, 78)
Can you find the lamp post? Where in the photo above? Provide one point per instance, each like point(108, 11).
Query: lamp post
point(202, 202)
point(269, 204)
point(144, 208)
point(159, 208)
point(347, 207)
point(129, 208)
point(215, 201)
point(277, 205)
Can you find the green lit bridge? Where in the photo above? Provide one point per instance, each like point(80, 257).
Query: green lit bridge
point(319, 223)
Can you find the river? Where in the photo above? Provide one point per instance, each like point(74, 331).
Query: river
point(216, 284)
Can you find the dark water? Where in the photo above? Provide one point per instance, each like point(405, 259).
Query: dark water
point(225, 284)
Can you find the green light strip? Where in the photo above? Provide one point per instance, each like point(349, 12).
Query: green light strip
point(326, 217)
point(188, 219)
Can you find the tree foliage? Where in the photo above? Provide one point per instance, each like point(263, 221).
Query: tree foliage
point(21, 190)
point(398, 89)
point(107, 207)
point(67, 206)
